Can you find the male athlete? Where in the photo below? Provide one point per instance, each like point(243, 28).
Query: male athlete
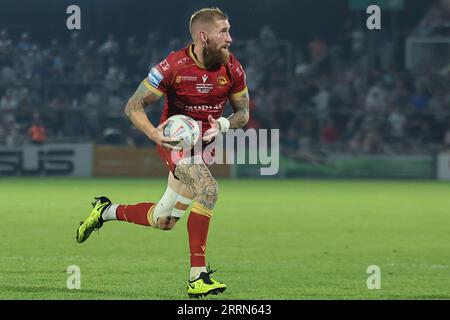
point(196, 81)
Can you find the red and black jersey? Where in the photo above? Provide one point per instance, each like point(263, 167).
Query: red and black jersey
point(192, 90)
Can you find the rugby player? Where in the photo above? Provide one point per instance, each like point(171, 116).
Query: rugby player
point(196, 81)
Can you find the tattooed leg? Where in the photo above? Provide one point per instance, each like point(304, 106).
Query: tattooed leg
point(205, 189)
point(200, 181)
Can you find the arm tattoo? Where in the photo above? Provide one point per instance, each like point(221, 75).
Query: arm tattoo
point(200, 181)
point(241, 111)
point(140, 98)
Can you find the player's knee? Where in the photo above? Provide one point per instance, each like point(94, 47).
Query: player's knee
point(166, 223)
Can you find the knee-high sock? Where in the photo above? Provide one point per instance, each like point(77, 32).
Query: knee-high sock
point(136, 213)
point(198, 225)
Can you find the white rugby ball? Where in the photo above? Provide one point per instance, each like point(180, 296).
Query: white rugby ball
point(183, 127)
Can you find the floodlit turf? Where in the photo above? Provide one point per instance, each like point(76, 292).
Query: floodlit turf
point(270, 239)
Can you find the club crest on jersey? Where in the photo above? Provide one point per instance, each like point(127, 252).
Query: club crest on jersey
point(222, 81)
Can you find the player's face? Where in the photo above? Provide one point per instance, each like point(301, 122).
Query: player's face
point(216, 50)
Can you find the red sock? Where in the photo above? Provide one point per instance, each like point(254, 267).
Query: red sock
point(198, 225)
point(136, 213)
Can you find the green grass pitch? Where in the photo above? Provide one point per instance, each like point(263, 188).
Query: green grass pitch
point(270, 239)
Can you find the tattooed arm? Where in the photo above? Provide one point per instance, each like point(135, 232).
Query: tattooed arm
point(136, 113)
point(238, 119)
point(241, 113)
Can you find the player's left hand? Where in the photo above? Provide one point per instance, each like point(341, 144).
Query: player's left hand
point(217, 126)
point(213, 131)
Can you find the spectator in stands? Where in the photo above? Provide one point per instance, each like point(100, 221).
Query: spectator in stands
point(357, 42)
point(376, 98)
point(396, 124)
point(113, 136)
point(37, 132)
point(301, 65)
point(14, 136)
point(255, 78)
point(318, 50)
point(399, 94)
point(8, 102)
point(371, 141)
point(446, 140)
point(2, 132)
point(4, 39)
point(6, 49)
point(329, 134)
point(24, 43)
point(420, 97)
point(322, 102)
point(110, 47)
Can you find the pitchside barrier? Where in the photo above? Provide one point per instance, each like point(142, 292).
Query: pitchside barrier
point(51, 159)
point(346, 166)
point(369, 166)
point(110, 161)
point(443, 166)
point(85, 160)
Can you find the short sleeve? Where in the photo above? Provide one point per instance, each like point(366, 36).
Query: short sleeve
point(239, 86)
point(160, 77)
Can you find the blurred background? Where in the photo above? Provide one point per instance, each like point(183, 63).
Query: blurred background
point(349, 102)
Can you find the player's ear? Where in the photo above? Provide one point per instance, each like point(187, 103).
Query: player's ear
point(203, 37)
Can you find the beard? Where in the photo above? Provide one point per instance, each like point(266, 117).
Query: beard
point(214, 57)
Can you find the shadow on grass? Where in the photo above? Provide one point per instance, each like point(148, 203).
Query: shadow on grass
point(59, 293)
point(53, 293)
point(65, 291)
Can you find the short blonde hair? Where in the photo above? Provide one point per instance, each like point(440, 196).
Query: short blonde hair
point(207, 15)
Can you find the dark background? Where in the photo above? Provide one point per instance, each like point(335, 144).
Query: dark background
point(298, 21)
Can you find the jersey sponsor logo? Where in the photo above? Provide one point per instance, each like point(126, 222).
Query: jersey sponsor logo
point(164, 65)
point(204, 78)
point(204, 87)
point(189, 78)
point(208, 108)
point(222, 81)
point(178, 79)
point(155, 77)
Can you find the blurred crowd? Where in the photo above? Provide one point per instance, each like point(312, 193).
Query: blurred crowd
point(346, 96)
point(436, 21)
point(75, 90)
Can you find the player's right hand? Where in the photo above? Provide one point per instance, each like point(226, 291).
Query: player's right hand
point(159, 138)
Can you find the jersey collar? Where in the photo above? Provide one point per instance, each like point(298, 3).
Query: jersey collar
point(193, 57)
